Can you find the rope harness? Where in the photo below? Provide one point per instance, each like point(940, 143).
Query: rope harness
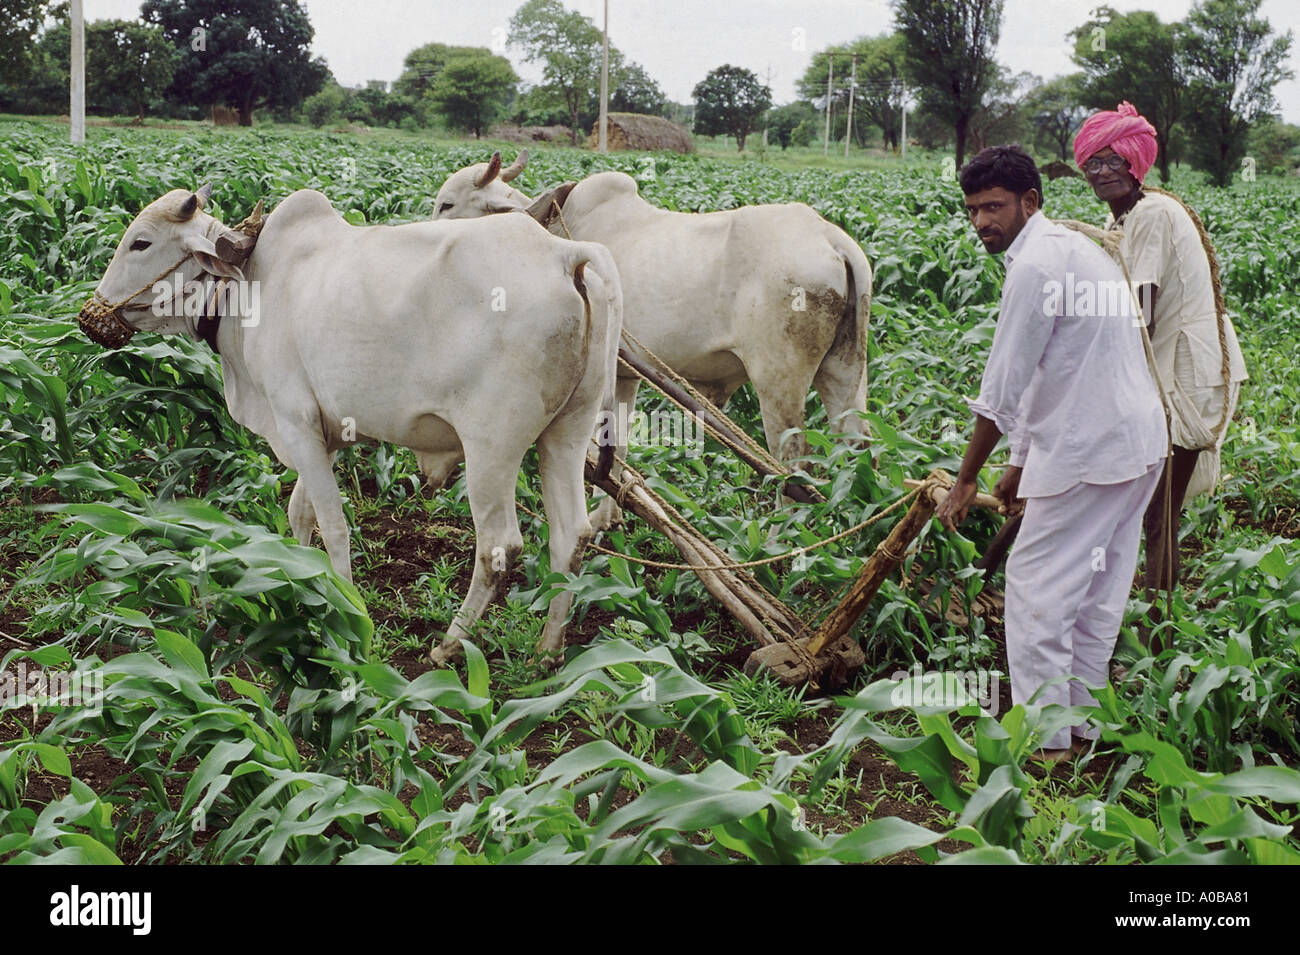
point(104, 324)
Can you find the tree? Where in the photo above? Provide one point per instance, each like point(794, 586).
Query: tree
point(325, 107)
point(472, 90)
point(950, 47)
point(421, 68)
point(1002, 117)
point(537, 107)
point(377, 106)
point(1134, 57)
point(730, 100)
point(636, 92)
point(1056, 111)
point(568, 45)
point(44, 87)
point(878, 94)
point(1232, 62)
point(245, 54)
point(1276, 145)
point(128, 65)
point(784, 124)
point(19, 22)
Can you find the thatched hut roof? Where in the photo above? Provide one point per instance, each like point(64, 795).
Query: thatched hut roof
point(636, 131)
point(529, 134)
point(1057, 170)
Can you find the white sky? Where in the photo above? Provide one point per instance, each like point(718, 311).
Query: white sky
point(680, 41)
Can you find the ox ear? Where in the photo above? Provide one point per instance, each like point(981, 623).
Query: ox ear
point(494, 167)
point(516, 167)
point(210, 258)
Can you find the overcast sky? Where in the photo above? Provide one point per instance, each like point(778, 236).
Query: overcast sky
point(680, 41)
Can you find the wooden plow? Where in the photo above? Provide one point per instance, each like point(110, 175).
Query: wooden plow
point(794, 652)
point(811, 661)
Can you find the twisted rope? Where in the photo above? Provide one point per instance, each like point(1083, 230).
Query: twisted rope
point(1220, 305)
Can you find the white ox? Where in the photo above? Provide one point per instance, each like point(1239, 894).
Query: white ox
point(473, 339)
point(772, 294)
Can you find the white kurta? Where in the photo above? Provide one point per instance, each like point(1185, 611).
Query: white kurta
point(1162, 247)
point(1067, 378)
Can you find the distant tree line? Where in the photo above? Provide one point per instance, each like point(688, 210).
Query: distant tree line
point(184, 57)
point(1206, 83)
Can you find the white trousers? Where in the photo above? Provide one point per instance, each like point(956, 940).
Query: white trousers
point(1068, 580)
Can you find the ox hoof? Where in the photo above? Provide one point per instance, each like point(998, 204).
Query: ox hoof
point(549, 659)
point(444, 654)
point(605, 517)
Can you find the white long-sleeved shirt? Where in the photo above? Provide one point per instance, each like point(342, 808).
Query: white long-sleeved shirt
point(1067, 376)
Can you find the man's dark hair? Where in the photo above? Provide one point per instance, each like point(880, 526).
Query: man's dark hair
point(1007, 166)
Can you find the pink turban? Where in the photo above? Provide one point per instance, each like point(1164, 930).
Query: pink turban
point(1125, 131)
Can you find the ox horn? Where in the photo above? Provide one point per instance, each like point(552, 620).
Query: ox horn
point(494, 167)
point(194, 203)
point(516, 167)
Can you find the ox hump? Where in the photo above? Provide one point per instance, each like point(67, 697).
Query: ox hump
point(303, 206)
point(603, 192)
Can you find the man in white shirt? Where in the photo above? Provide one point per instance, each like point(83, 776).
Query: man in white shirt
point(1067, 381)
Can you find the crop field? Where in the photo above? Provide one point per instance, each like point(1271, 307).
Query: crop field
point(250, 706)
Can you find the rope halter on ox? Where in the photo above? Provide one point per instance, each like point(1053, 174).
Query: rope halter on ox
point(103, 321)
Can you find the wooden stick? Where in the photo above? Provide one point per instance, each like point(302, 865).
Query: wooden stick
point(731, 592)
point(804, 493)
point(881, 563)
point(941, 494)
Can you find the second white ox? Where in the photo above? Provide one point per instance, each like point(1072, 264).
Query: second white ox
point(448, 338)
point(772, 294)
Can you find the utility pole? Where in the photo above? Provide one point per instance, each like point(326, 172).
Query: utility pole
point(770, 73)
point(902, 143)
point(830, 78)
point(848, 136)
point(77, 79)
point(602, 140)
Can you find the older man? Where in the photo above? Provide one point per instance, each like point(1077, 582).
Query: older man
point(1197, 356)
point(1067, 381)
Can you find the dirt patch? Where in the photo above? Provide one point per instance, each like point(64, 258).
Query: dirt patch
point(1285, 521)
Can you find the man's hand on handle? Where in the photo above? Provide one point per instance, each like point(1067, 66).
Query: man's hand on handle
point(956, 505)
point(953, 510)
point(1007, 490)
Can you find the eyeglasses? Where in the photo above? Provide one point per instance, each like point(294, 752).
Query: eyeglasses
point(1115, 162)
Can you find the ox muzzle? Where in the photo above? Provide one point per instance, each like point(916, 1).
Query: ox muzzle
point(103, 323)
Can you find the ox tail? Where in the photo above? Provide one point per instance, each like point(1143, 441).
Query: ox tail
point(605, 336)
point(849, 350)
